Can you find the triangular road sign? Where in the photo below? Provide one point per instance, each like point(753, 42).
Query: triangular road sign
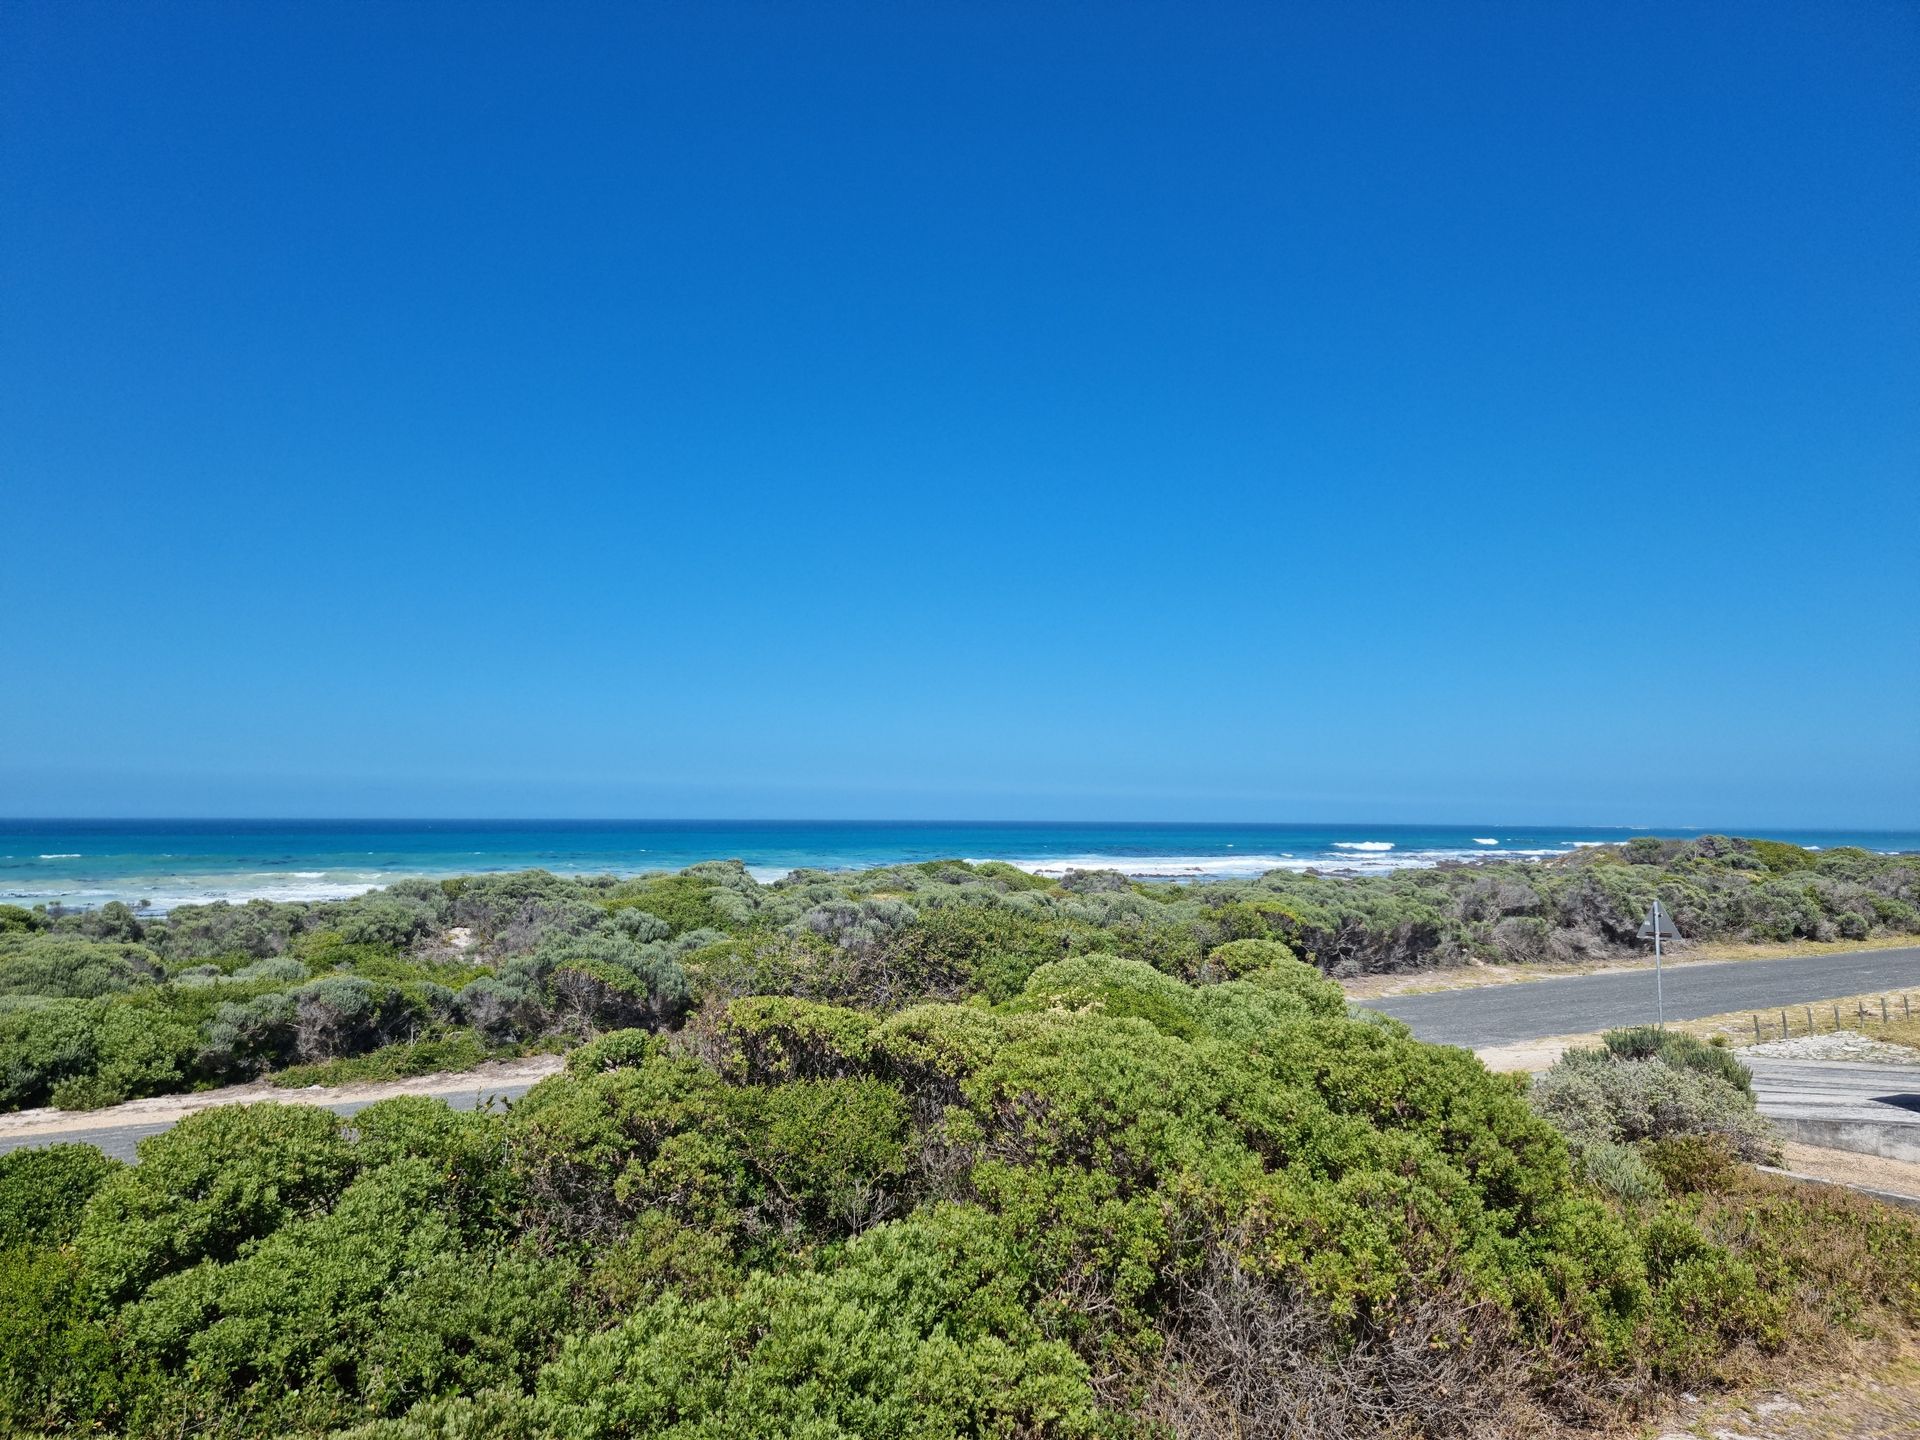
point(1658, 922)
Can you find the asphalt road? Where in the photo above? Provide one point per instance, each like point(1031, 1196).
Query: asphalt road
point(120, 1141)
point(1583, 1004)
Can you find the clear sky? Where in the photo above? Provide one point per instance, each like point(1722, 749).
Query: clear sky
point(974, 410)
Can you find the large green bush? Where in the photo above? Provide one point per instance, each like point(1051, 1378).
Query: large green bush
point(1109, 1201)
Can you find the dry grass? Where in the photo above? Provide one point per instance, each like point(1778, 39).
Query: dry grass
point(1778, 949)
point(1857, 1013)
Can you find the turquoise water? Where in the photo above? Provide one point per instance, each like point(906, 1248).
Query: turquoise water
point(178, 862)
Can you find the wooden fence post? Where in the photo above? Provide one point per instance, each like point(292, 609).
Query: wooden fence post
point(1756, 1028)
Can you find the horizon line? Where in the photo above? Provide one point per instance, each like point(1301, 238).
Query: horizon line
point(1652, 829)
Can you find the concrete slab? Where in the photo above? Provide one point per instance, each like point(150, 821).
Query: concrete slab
point(1869, 1109)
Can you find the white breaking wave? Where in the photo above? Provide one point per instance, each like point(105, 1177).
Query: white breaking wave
point(71, 855)
point(170, 892)
point(1478, 841)
point(1244, 867)
point(1363, 844)
point(1152, 867)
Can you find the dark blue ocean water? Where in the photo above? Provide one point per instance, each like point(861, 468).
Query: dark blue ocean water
point(87, 862)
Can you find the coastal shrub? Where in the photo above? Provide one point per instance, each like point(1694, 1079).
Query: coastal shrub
point(768, 1040)
point(43, 1046)
point(1112, 986)
point(594, 1152)
point(1646, 1042)
point(829, 1153)
point(205, 1188)
point(615, 1050)
point(502, 1007)
point(257, 929)
point(61, 1372)
point(355, 1312)
point(453, 1051)
point(383, 921)
point(1112, 1199)
point(461, 1147)
point(776, 963)
point(682, 902)
point(990, 948)
point(1593, 1096)
point(138, 1050)
point(244, 1037)
point(921, 1329)
point(1692, 1164)
point(43, 1191)
point(18, 920)
point(277, 967)
point(608, 981)
point(67, 968)
point(592, 995)
point(640, 927)
point(344, 1015)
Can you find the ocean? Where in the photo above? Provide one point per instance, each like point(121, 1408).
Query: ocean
point(179, 862)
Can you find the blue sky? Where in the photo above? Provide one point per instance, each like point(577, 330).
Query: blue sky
point(973, 410)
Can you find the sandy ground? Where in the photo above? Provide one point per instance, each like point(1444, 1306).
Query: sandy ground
point(1531, 1056)
point(1844, 1167)
point(165, 1109)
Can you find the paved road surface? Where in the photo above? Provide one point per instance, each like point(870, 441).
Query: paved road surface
point(1583, 1004)
point(119, 1140)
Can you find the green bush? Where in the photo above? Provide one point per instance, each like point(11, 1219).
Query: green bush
point(43, 1191)
point(1077, 1159)
point(362, 1310)
point(44, 1046)
point(138, 1050)
point(1595, 1097)
point(1647, 1042)
point(830, 1153)
point(60, 1370)
point(68, 968)
point(1690, 1164)
point(921, 1330)
point(212, 1184)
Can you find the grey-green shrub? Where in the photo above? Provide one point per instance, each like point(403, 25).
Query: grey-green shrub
point(1593, 1096)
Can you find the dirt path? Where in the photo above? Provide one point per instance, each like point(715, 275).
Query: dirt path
point(117, 1127)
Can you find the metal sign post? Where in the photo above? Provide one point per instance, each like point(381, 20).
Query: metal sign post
point(1658, 924)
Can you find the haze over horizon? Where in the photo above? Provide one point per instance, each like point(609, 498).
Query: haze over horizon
point(964, 412)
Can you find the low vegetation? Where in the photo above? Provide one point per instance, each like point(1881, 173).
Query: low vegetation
point(104, 1005)
point(1109, 1203)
